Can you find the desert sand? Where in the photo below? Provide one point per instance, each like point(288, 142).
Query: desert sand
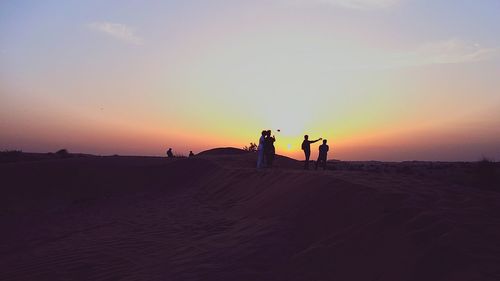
point(215, 217)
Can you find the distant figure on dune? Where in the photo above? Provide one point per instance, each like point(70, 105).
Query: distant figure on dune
point(306, 146)
point(260, 150)
point(170, 154)
point(323, 152)
point(269, 150)
point(191, 154)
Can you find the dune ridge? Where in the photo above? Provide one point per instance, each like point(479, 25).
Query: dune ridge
point(214, 217)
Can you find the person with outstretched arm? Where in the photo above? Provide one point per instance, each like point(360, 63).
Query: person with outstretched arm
point(306, 146)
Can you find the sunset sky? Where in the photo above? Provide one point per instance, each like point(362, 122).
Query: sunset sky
point(380, 79)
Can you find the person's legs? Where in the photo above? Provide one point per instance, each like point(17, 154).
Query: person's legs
point(269, 160)
point(272, 156)
point(260, 159)
point(322, 161)
point(306, 164)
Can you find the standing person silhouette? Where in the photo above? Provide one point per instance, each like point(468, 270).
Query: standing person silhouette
point(260, 150)
point(306, 146)
point(323, 152)
point(269, 149)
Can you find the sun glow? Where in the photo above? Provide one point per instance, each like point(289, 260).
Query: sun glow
point(194, 75)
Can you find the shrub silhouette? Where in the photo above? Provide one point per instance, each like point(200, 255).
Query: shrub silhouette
point(251, 148)
point(485, 167)
point(487, 173)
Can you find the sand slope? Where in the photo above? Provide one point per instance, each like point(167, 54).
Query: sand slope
point(214, 217)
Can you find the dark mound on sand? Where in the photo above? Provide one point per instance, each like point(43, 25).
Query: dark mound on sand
point(235, 157)
point(223, 151)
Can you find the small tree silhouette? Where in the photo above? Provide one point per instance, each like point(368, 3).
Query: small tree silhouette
point(251, 148)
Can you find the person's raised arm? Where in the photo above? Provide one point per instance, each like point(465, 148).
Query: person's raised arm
point(316, 140)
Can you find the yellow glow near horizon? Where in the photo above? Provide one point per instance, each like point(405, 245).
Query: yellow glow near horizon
point(376, 84)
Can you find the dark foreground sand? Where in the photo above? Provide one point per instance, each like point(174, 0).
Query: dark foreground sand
point(214, 217)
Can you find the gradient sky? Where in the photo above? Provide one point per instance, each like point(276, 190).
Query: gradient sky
point(380, 79)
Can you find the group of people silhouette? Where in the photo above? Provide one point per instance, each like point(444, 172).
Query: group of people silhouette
point(266, 150)
point(323, 152)
point(170, 154)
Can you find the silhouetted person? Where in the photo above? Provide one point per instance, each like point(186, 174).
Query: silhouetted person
point(191, 154)
point(170, 154)
point(306, 146)
point(323, 152)
point(269, 150)
point(260, 150)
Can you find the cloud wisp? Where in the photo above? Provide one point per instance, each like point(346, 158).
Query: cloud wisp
point(451, 51)
point(362, 4)
point(446, 52)
point(118, 31)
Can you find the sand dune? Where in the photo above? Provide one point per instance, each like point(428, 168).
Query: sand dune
point(214, 217)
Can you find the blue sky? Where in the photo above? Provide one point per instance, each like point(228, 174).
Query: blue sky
point(370, 75)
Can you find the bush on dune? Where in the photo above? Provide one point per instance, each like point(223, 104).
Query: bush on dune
point(487, 174)
point(251, 148)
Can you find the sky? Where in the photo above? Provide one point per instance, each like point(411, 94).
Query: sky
point(388, 80)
